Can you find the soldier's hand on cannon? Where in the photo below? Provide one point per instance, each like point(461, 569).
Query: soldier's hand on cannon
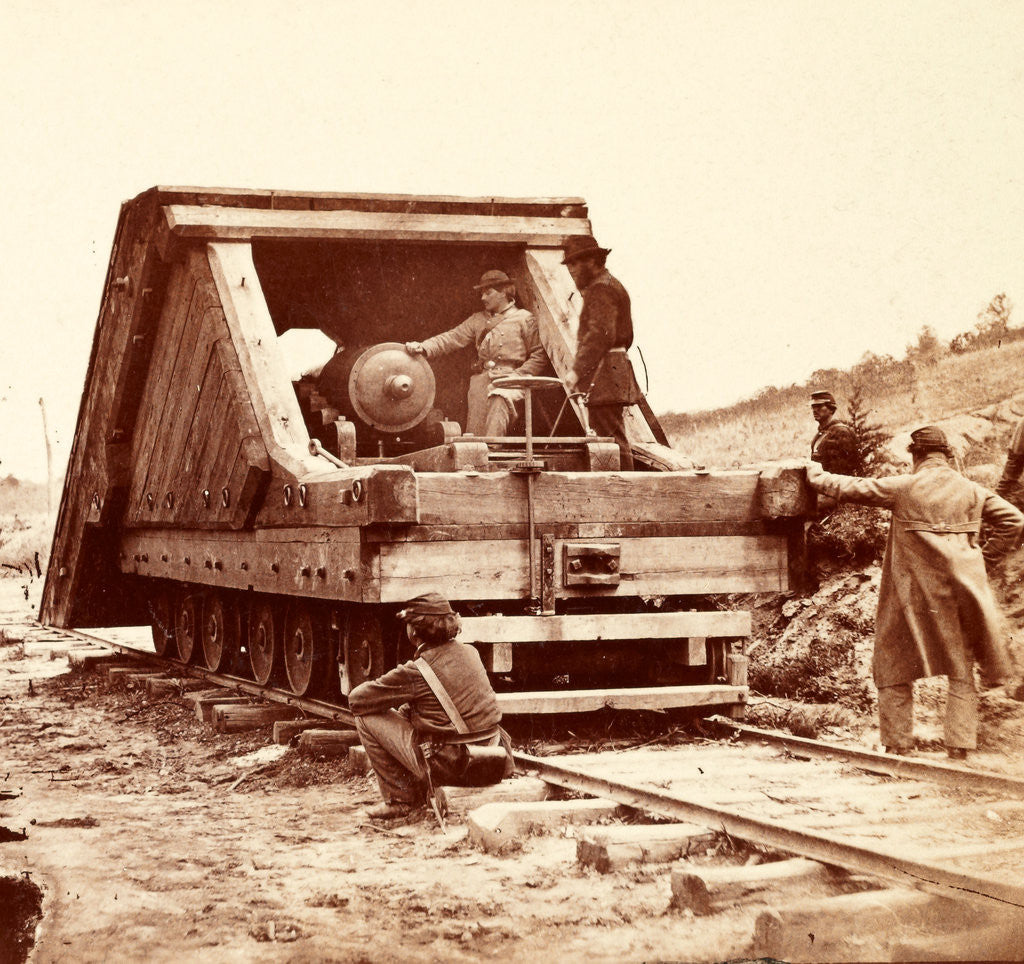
point(415, 348)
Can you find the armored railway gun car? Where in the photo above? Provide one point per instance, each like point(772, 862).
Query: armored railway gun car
point(271, 523)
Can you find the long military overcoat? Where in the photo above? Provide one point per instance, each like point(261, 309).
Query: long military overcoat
point(936, 611)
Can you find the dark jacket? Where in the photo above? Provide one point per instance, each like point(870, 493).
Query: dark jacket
point(461, 672)
point(835, 447)
point(605, 324)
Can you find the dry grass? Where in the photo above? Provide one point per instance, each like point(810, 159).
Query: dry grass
point(24, 545)
point(780, 426)
point(808, 720)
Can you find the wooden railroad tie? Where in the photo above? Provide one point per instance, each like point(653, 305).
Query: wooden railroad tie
point(234, 718)
point(611, 849)
point(858, 926)
point(327, 743)
point(207, 703)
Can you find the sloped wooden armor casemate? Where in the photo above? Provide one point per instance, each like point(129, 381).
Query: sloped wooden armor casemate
point(270, 523)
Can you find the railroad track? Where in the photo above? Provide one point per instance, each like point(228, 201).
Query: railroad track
point(859, 855)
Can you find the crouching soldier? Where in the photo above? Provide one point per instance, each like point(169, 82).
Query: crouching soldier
point(423, 723)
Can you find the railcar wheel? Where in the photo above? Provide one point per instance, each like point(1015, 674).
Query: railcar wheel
point(222, 632)
point(187, 620)
point(264, 640)
point(362, 649)
point(161, 616)
point(307, 647)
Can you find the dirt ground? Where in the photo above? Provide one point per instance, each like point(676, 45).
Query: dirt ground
point(153, 838)
point(147, 847)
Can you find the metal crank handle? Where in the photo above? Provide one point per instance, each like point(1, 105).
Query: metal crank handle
point(315, 448)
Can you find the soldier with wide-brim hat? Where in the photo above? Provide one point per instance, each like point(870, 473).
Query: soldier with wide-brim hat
point(601, 369)
point(582, 246)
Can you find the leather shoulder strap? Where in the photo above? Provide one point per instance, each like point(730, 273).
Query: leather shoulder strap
point(437, 688)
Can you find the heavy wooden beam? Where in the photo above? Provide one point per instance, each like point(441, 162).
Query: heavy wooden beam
point(194, 223)
point(544, 629)
point(638, 698)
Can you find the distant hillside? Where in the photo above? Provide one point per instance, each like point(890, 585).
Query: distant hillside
point(21, 497)
point(777, 423)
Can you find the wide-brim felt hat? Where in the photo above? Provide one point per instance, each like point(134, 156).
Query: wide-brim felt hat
point(492, 279)
point(577, 246)
point(429, 604)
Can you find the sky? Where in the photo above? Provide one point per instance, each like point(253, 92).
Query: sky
point(784, 186)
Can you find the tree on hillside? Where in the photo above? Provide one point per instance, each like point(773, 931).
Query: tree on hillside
point(880, 373)
point(927, 350)
point(993, 327)
point(869, 436)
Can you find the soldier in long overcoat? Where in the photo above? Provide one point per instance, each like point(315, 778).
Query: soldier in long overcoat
point(936, 611)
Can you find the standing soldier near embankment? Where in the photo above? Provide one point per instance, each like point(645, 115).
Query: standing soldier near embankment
point(936, 611)
point(602, 370)
point(1009, 485)
point(834, 447)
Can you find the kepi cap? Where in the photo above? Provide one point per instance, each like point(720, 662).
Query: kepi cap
point(492, 279)
point(928, 437)
point(429, 604)
point(827, 398)
point(576, 246)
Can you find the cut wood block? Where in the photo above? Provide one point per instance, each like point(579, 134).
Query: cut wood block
point(499, 827)
point(515, 789)
point(855, 926)
point(232, 718)
point(332, 743)
point(141, 681)
point(609, 849)
point(285, 731)
point(191, 684)
point(358, 760)
point(129, 675)
point(93, 660)
point(159, 686)
point(705, 890)
point(205, 705)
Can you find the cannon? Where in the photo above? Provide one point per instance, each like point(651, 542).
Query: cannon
point(272, 527)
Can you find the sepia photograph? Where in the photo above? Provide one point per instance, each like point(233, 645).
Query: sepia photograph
point(512, 482)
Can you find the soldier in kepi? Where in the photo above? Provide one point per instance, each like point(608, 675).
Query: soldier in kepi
point(442, 697)
point(937, 615)
point(834, 447)
point(602, 370)
point(507, 343)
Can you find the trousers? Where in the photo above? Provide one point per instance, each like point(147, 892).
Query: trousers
point(488, 416)
point(896, 715)
point(609, 420)
point(392, 746)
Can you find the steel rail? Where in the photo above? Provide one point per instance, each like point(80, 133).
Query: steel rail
point(314, 707)
point(896, 766)
point(829, 850)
